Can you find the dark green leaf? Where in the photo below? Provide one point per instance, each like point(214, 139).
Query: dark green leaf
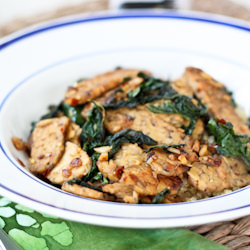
point(125, 136)
point(81, 79)
point(230, 144)
point(93, 175)
point(230, 93)
point(189, 129)
point(182, 105)
point(164, 147)
point(78, 181)
point(93, 131)
point(53, 111)
point(160, 197)
point(125, 79)
point(151, 89)
point(74, 113)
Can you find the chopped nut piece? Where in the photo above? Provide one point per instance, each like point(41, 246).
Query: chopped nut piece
point(18, 143)
point(104, 149)
point(183, 159)
point(203, 150)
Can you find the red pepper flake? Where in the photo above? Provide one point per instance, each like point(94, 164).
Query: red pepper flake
point(40, 157)
point(21, 163)
point(75, 163)
point(222, 121)
point(66, 173)
point(212, 148)
point(73, 102)
point(62, 130)
point(134, 177)
point(119, 171)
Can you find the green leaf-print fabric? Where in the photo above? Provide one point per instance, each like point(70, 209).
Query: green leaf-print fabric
point(51, 233)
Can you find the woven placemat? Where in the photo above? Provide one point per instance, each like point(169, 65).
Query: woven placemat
point(233, 234)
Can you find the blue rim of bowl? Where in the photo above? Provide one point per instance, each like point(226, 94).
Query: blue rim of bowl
point(167, 15)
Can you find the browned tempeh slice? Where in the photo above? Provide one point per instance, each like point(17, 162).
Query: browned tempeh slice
point(160, 127)
point(128, 155)
point(117, 93)
point(159, 161)
point(47, 144)
point(140, 181)
point(122, 191)
point(216, 174)
point(92, 88)
point(73, 133)
point(213, 94)
point(84, 191)
point(75, 163)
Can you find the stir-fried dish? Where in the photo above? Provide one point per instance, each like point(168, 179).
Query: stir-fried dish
point(127, 136)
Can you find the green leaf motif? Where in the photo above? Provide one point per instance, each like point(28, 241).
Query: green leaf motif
point(48, 216)
point(27, 241)
point(7, 212)
point(60, 232)
point(24, 209)
point(4, 202)
point(25, 220)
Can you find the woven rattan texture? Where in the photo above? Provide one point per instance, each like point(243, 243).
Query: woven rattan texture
point(234, 234)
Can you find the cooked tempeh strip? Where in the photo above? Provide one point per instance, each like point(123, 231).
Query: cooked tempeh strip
point(160, 127)
point(47, 144)
point(75, 163)
point(83, 191)
point(214, 175)
point(161, 163)
point(128, 155)
point(213, 94)
point(119, 94)
point(140, 181)
point(73, 133)
point(92, 88)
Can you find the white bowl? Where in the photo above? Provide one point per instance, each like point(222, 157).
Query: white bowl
point(38, 64)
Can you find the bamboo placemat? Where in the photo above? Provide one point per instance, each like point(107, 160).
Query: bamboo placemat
point(233, 234)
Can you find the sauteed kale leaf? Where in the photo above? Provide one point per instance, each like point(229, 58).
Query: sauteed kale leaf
point(93, 135)
point(93, 131)
point(184, 106)
point(230, 144)
point(74, 113)
point(127, 135)
point(151, 89)
point(160, 197)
